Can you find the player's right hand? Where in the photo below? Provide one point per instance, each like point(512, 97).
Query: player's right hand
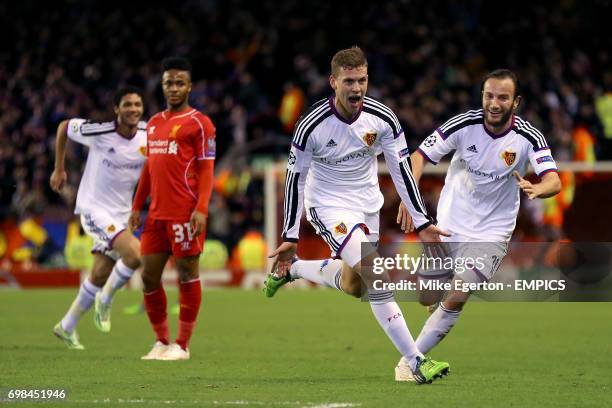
point(58, 180)
point(283, 254)
point(134, 221)
point(404, 219)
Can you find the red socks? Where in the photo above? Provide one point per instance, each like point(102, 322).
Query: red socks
point(155, 305)
point(190, 298)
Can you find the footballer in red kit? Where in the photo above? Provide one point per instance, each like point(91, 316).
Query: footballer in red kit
point(178, 176)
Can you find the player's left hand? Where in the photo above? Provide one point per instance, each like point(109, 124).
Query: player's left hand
point(404, 219)
point(532, 190)
point(283, 255)
point(197, 223)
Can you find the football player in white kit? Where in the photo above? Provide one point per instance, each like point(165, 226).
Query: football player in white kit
point(332, 172)
point(480, 199)
point(104, 202)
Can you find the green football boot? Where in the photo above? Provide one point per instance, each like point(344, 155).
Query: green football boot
point(102, 315)
point(274, 283)
point(428, 370)
point(70, 339)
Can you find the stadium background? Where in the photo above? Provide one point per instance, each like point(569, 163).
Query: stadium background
point(256, 68)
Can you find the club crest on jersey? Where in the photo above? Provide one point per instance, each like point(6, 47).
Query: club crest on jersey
point(509, 157)
point(151, 130)
point(370, 137)
point(341, 229)
point(173, 147)
point(143, 150)
point(174, 131)
point(111, 228)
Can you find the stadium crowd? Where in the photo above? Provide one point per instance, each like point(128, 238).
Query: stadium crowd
point(425, 61)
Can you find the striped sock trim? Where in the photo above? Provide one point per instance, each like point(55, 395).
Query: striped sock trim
point(337, 280)
point(454, 312)
point(380, 296)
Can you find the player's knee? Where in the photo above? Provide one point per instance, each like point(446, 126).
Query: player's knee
point(428, 298)
point(149, 283)
point(132, 259)
point(352, 289)
point(98, 279)
point(188, 269)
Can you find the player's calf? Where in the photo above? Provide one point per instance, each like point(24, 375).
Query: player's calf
point(351, 282)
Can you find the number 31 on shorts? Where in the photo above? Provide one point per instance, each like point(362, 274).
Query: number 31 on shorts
point(181, 231)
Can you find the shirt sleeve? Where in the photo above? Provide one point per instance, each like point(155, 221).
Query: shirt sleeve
point(74, 132)
point(298, 164)
point(206, 139)
point(542, 161)
point(397, 158)
point(437, 145)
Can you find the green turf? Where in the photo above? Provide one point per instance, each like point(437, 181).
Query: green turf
point(308, 349)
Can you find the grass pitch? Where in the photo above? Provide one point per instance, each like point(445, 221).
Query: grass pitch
point(312, 348)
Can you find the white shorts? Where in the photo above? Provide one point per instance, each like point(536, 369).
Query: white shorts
point(103, 229)
point(345, 231)
point(473, 262)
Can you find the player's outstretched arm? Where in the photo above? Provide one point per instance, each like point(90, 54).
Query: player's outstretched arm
point(59, 175)
point(403, 216)
point(549, 186)
point(417, 162)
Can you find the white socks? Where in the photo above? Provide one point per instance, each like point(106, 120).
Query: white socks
point(82, 303)
point(118, 277)
point(325, 272)
point(436, 328)
point(390, 318)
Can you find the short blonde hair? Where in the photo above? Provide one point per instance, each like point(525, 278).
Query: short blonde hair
point(348, 58)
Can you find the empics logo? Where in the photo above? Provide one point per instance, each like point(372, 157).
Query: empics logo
point(370, 137)
point(509, 157)
point(341, 229)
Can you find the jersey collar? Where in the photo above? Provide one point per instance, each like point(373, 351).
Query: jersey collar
point(169, 115)
point(502, 134)
point(123, 136)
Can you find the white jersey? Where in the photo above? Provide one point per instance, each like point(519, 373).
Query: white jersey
point(113, 167)
point(480, 198)
point(333, 163)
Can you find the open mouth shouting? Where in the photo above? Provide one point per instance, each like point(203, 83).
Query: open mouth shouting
point(354, 100)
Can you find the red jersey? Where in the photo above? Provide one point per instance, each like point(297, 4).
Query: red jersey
point(176, 142)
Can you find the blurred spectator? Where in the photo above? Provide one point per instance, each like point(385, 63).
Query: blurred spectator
point(256, 65)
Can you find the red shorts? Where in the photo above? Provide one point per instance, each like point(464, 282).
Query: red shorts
point(164, 236)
